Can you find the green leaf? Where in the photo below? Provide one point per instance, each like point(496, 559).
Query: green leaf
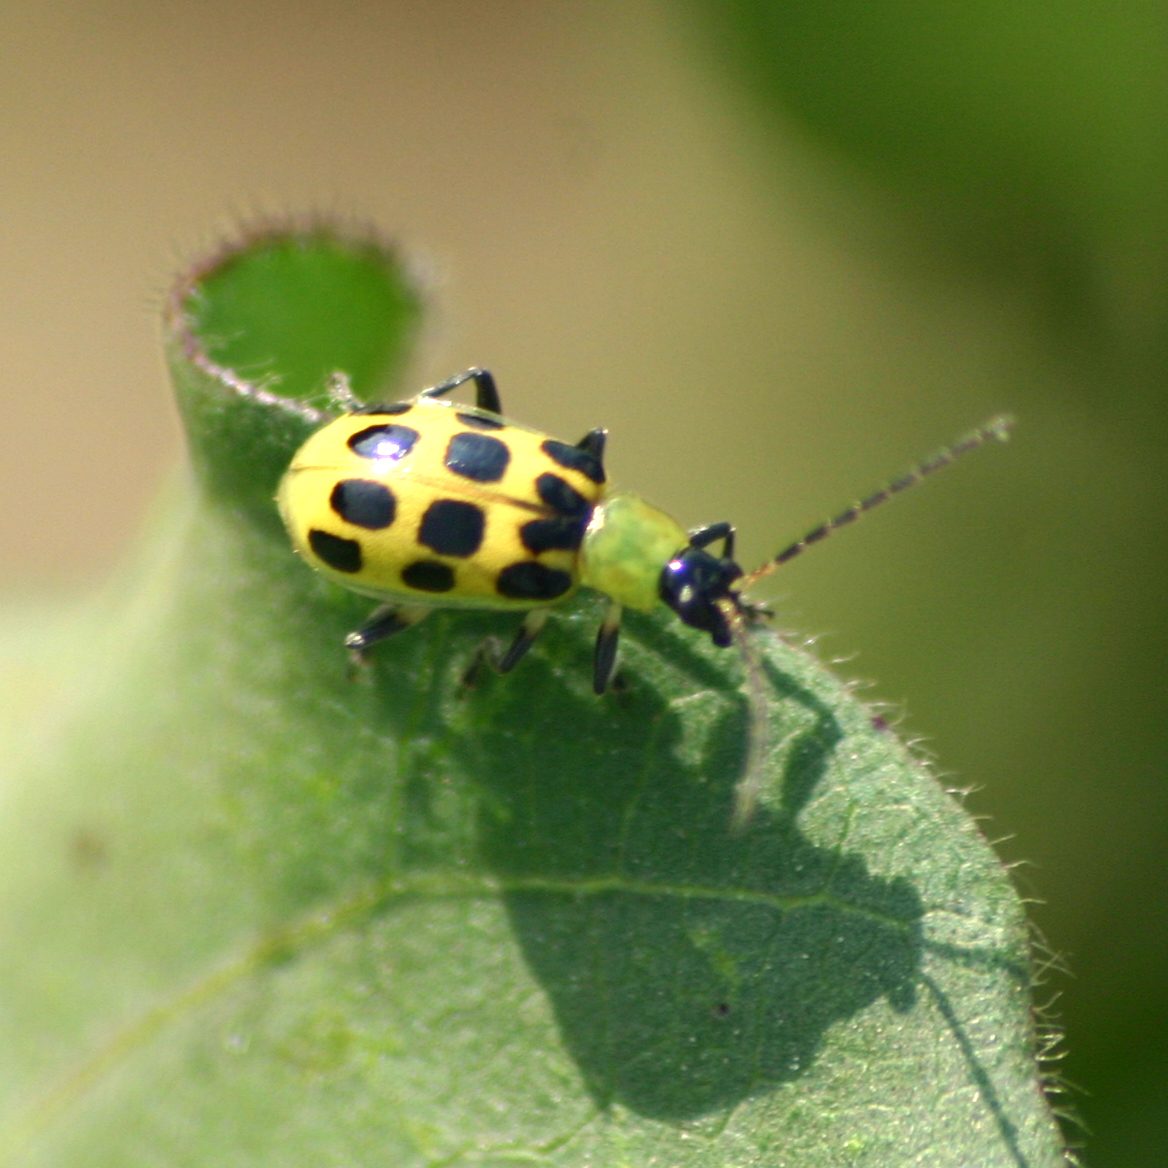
point(255, 912)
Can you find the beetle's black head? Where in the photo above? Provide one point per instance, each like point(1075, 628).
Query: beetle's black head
point(697, 585)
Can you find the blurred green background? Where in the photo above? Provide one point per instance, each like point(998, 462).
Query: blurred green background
point(779, 250)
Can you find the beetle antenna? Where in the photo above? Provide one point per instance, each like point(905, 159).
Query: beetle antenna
point(995, 430)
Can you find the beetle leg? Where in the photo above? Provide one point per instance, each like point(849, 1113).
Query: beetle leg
point(488, 652)
point(593, 443)
point(704, 536)
point(530, 629)
point(383, 622)
point(486, 392)
point(604, 661)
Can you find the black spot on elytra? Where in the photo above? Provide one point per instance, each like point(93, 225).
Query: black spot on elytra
point(477, 457)
point(528, 580)
point(344, 555)
point(364, 502)
point(384, 441)
point(562, 534)
point(574, 458)
point(452, 528)
point(429, 576)
point(561, 496)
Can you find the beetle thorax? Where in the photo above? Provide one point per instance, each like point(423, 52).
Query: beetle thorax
point(627, 544)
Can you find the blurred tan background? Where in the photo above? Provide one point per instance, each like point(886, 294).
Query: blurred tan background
point(767, 321)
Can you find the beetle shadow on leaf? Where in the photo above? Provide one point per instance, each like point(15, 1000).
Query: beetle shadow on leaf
point(688, 967)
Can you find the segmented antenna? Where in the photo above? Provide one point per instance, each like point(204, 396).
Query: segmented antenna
point(995, 430)
point(739, 614)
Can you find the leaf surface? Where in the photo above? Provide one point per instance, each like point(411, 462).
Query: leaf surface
point(256, 912)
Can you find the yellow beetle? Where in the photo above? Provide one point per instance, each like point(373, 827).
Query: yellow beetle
point(429, 503)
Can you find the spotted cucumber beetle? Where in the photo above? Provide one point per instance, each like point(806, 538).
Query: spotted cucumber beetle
point(428, 503)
